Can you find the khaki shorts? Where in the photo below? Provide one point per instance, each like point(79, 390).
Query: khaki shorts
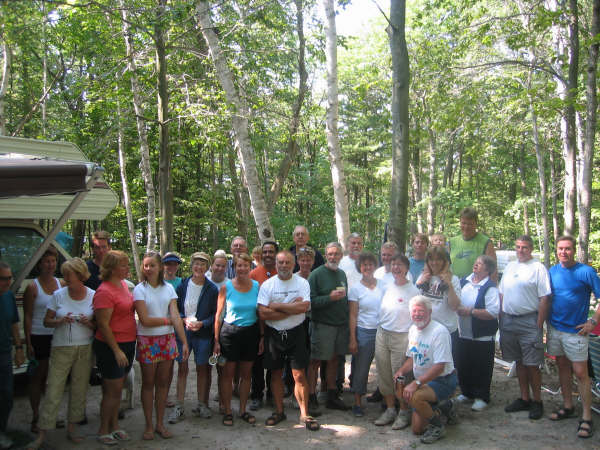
point(521, 339)
point(571, 345)
point(326, 341)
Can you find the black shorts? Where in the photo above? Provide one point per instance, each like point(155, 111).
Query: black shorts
point(239, 343)
point(106, 362)
point(41, 343)
point(289, 345)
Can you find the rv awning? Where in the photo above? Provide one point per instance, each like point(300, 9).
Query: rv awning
point(41, 176)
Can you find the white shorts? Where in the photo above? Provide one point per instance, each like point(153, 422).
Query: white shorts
point(573, 346)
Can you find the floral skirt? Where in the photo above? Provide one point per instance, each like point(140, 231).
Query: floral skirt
point(153, 349)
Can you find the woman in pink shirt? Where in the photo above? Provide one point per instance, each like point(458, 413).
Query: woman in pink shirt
point(114, 343)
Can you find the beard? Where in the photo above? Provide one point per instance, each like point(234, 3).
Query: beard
point(332, 265)
point(420, 324)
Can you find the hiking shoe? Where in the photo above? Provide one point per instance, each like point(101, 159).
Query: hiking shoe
point(433, 433)
point(479, 405)
point(388, 416)
point(536, 411)
point(334, 402)
point(357, 411)
point(447, 409)
point(256, 404)
point(518, 405)
point(202, 411)
point(177, 414)
point(402, 420)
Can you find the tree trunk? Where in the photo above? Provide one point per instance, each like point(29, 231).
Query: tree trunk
point(126, 197)
point(417, 193)
point(585, 206)
point(6, 56)
point(236, 99)
point(141, 128)
point(432, 173)
point(400, 130)
point(242, 224)
point(165, 189)
point(524, 191)
point(78, 237)
point(554, 195)
point(292, 146)
point(342, 221)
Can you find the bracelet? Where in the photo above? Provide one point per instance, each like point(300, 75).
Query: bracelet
point(166, 321)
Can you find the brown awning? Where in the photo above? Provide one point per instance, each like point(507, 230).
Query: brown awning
point(40, 176)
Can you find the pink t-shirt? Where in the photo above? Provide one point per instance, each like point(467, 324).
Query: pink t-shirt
point(122, 320)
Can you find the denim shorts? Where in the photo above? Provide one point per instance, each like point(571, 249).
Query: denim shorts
point(201, 346)
point(444, 386)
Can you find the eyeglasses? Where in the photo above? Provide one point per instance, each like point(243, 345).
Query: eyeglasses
point(8, 278)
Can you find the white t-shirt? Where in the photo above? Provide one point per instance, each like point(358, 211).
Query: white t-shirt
point(71, 334)
point(276, 290)
point(348, 265)
point(394, 312)
point(522, 285)
point(437, 292)
point(157, 302)
point(219, 284)
point(387, 277)
point(468, 296)
point(369, 301)
point(192, 295)
point(430, 346)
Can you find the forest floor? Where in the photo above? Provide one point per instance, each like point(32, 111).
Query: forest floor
point(490, 429)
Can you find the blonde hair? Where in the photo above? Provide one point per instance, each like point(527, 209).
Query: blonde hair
point(243, 257)
point(76, 266)
point(110, 262)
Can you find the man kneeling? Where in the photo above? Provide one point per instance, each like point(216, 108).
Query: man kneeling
point(429, 357)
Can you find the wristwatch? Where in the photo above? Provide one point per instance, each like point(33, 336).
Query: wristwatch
point(418, 382)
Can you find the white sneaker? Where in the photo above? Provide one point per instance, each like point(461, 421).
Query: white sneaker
point(402, 420)
point(202, 411)
point(387, 417)
point(463, 399)
point(177, 414)
point(478, 405)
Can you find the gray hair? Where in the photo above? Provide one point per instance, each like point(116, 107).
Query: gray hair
point(353, 235)
point(488, 262)
point(420, 300)
point(390, 244)
point(334, 244)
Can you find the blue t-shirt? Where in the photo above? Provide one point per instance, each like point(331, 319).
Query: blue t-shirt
point(416, 267)
point(571, 290)
point(241, 306)
point(175, 282)
point(8, 316)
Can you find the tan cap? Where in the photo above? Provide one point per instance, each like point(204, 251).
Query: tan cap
point(200, 255)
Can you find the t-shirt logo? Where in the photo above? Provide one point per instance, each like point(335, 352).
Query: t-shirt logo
point(464, 254)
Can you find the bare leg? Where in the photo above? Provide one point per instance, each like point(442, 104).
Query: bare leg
point(37, 385)
point(245, 368)
point(535, 381)
point(201, 382)
point(182, 374)
point(565, 375)
point(277, 389)
point(523, 376)
point(109, 407)
point(585, 387)
point(227, 385)
point(148, 382)
point(164, 374)
point(313, 367)
point(301, 391)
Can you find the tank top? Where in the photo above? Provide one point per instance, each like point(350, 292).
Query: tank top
point(40, 305)
point(241, 306)
point(464, 253)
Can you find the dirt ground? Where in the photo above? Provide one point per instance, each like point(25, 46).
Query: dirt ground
point(490, 429)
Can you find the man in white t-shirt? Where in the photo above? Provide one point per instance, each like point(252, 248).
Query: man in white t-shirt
point(429, 357)
point(283, 301)
point(525, 298)
point(354, 245)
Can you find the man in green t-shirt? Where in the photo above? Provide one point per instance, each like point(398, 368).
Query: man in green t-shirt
point(329, 322)
point(466, 247)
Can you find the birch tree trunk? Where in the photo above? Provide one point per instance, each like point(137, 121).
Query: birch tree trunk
point(585, 204)
point(126, 196)
point(165, 189)
point(432, 173)
point(6, 56)
point(342, 221)
point(141, 128)
point(400, 124)
point(236, 100)
point(524, 191)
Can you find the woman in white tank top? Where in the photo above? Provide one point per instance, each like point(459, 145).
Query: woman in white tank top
point(38, 337)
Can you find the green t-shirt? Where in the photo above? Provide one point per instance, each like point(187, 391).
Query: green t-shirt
point(323, 310)
point(464, 253)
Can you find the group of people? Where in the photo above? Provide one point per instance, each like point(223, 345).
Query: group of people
point(274, 320)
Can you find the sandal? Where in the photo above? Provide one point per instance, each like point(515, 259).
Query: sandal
point(589, 430)
point(562, 413)
point(310, 423)
point(164, 433)
point(120, 435)
point(248, 418)
point(275, 418)
point(148, 436)
point(228, 420)
point(107, 439)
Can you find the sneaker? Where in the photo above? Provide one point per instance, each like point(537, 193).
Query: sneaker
point(5, 441)
point(518, 405)
point(177, 414)
point(388, 416)
point(448, 409)
point(536, 411)
point(463, 399)
point(357, 411)
point(256, 404)
point(478, 405)
point(375, 397)
point(334, 402)
point(202, 411)
point(402, 420)
point(433, 433)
